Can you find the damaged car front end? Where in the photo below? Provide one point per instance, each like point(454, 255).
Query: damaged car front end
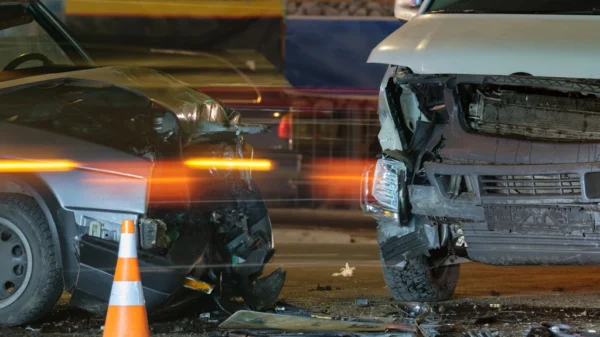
point(140, 146)
point(490, 158)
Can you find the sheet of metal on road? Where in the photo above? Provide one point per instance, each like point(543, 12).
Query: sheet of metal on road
point(176, 8)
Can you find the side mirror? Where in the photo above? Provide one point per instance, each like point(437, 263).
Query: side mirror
point(406, 9)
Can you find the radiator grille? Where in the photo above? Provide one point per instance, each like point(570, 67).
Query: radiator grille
point(564, 184)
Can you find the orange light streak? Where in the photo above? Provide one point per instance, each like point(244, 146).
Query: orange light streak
point(240, 164)
point(36, 166)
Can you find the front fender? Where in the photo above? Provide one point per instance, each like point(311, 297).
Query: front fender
point(61, 222)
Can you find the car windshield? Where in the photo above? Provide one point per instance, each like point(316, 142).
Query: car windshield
point(25, 43)
point(590, 7)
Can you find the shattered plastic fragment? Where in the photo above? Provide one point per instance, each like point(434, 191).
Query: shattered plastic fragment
point(346, 271)
point(363, 302)
point(29, 328)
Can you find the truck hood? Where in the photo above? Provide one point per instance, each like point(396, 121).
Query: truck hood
point(493, 44)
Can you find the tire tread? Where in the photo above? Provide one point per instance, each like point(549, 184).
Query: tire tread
point(51, 289)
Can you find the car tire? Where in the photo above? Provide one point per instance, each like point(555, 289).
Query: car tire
point(31, 280)
point(417, 282)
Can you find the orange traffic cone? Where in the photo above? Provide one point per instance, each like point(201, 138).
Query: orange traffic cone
point(126, 315)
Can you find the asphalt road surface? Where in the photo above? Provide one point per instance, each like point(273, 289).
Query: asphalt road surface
point(526, 295)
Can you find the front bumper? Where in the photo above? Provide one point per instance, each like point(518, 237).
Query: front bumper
point(98, 260)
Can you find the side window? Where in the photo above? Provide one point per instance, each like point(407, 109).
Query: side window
point(29, 38)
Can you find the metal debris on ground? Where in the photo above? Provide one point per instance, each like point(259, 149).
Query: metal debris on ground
point(250, 320)
point(345, 271)
point(558, 330)
point(415, 309)
point(363, 302)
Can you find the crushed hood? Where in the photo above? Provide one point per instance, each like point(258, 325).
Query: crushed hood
point(482, 44)
point(198, 113)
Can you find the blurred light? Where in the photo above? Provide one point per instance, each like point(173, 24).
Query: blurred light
point(276, 114)
point(241, 164)
point(336, 180)
point(36, 166)
point(338, 177)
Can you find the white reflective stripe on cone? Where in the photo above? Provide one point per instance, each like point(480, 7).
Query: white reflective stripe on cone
point(126, 293)
point(128, 246)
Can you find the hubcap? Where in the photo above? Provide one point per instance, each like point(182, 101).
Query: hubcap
point(15, 263)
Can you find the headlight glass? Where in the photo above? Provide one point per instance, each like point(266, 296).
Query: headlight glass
point(386, 183)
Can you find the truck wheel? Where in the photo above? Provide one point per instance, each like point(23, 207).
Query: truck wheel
point(30, 279)
point(419, 283)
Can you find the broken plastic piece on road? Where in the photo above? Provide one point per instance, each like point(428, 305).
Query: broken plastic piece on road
point(363, 302)
point(205, 315)
point(345, 271)
point(30, 329)
point(195, 284)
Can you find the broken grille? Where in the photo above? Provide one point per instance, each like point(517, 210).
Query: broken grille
point(564, 184)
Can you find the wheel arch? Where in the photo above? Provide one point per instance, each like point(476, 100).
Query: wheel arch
point(63, 231)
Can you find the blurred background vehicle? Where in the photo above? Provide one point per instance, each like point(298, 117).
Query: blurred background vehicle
point(297, 66)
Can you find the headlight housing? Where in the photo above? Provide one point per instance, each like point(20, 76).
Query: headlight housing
point(386, 195)
point(387, 180)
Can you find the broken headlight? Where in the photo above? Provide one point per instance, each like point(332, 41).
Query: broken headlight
point(387, 190)
point(387, 181)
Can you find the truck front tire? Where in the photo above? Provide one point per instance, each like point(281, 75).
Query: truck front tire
point(418, 282)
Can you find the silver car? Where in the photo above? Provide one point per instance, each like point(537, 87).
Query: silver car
point(83, 148)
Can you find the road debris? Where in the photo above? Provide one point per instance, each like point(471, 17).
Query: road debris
point(481, 333)
point(414, 309)
point(488, 318)
point(322, 288)
point(363, 302)
point(250, 320)
point(346, 271)
point(30, 329)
